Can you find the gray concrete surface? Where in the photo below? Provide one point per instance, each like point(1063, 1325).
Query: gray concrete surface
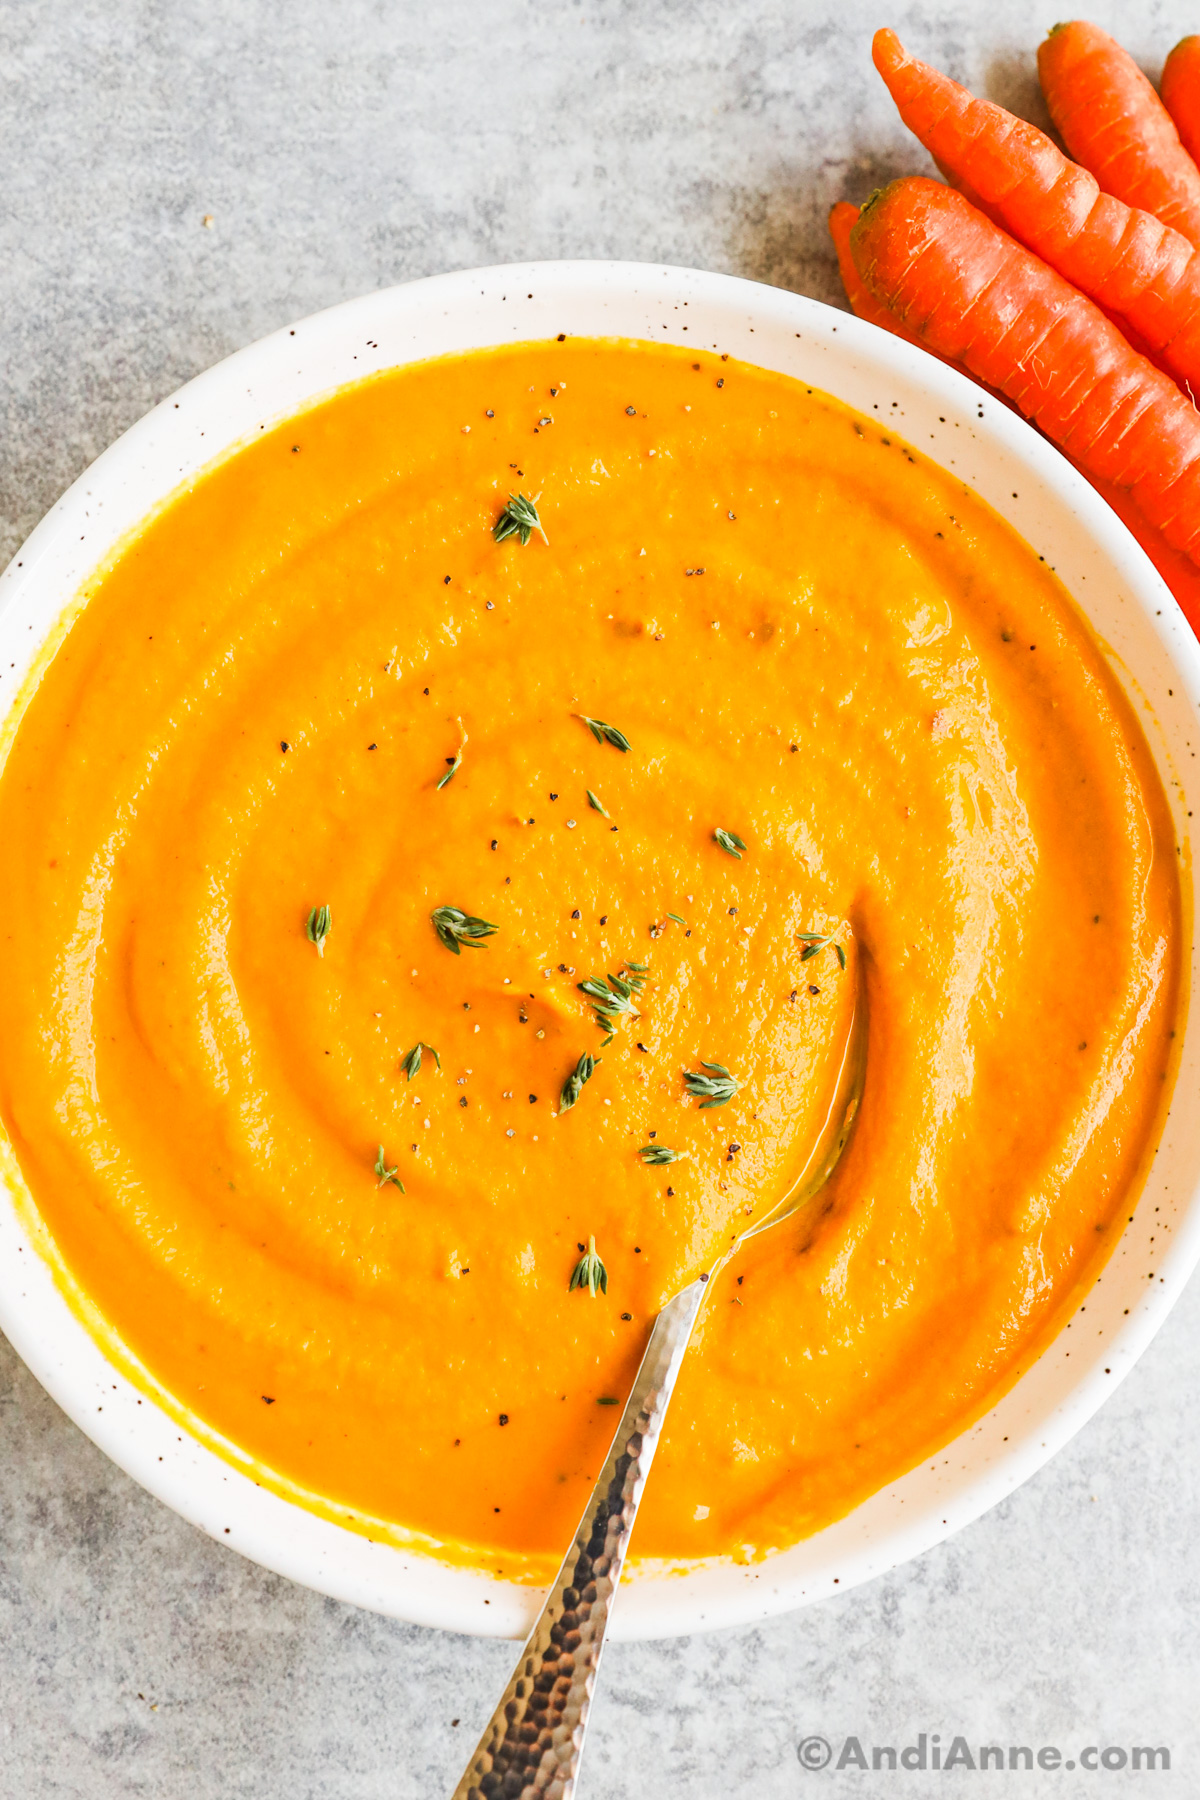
point(339, 147)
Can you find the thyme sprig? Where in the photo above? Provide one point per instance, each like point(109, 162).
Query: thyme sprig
point(730, 841)
point(520, 520)
point(712, 1090)
point(654, 1155)
point(456, 928)
point(615, 1002)
point(320, 924)
point(456, 763)
point(605, 734)
point(590, 1272)
point(576, 1081)
point(411, 1064)
point(385, 1174)
point(816, 943)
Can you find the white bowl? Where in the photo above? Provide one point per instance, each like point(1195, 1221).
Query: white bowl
point(1155, 657)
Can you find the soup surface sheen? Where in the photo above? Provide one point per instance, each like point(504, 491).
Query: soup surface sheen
point(811, 639)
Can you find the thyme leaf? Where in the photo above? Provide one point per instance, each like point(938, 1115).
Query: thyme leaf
point(456, 765)
point(385, 1174)
point(411, 1064)
point(712, 1090)
point(730, 841)
point(605, 734)
point(615, 1001)
point(655, 1154)
point(677, 918)
point(590, 1272)
point(595, 804)
point(574, 1085)
point(320, 924)
point(816, 943)
point(519, 519)
point(456, 928)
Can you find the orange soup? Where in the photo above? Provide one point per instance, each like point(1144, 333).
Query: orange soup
point(333, 798)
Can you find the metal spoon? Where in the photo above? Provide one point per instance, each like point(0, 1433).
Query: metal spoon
point(533, 1743)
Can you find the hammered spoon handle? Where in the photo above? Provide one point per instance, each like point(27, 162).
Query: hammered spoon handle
point(534, 1740)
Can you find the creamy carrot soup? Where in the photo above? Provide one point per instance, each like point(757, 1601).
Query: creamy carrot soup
point(328, 805)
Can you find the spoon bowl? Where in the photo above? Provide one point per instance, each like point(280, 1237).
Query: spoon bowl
point(834, 1134)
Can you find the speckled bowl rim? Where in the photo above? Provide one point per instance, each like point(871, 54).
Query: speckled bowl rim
point(1152, 651)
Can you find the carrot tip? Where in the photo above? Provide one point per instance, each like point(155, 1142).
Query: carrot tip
point(887, 52)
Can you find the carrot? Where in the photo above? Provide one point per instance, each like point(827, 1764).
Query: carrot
point(863, 303)
point(1113, 122)
point(1178, 571)
point(1145, 276)
point(975, 296)
point(1181, 92)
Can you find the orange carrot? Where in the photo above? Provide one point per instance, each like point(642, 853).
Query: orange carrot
point(863, 303)
point(1114, 123)
point(1178, 571)
point(973, 295)
point(1145, 276)
point(1181, 92)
